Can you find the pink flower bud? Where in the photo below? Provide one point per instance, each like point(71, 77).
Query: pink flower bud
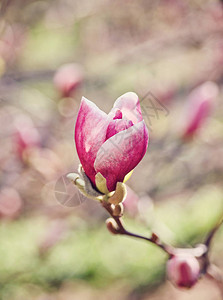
point(67, 78)
point(183, 270)
point(111, 144)
point(201, 101)
point(26, 136)
point(112, 226)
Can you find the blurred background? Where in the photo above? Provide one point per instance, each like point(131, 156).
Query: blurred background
point(54, 242)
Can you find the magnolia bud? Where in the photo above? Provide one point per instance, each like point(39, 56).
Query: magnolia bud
point(118, 210)
point(183, 270)
point(67, 78)
point(112, 226)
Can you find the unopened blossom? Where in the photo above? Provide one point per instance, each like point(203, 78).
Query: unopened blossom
point(183, 269)
point(111, 144)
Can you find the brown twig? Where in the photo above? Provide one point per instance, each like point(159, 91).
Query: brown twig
point(121, 230)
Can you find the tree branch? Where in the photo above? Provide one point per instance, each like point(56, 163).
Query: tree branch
point(121, 230)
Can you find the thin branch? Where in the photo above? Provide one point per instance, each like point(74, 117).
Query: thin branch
point(121, 230)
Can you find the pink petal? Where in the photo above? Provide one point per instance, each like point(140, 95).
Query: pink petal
point(129, 106)
point(121, 153)
point(90, 134)
point(118, 114)
point(116, 126)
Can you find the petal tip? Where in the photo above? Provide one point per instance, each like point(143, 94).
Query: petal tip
point(131, 96)
point(84, 100)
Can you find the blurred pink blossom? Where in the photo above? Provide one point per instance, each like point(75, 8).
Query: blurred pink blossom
point(200, 104)
point(183, 269)
point(67, 78)
point(131, 202)
point(10, 203)
point(26, 136)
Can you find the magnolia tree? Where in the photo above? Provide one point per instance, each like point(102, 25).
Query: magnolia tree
point(109, 147)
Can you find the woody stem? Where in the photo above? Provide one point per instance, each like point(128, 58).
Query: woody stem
point(121, 230)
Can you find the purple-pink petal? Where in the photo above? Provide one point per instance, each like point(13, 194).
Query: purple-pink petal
point(129, 106)
point(116, 126)
point(90, 134)
point(121, 153)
